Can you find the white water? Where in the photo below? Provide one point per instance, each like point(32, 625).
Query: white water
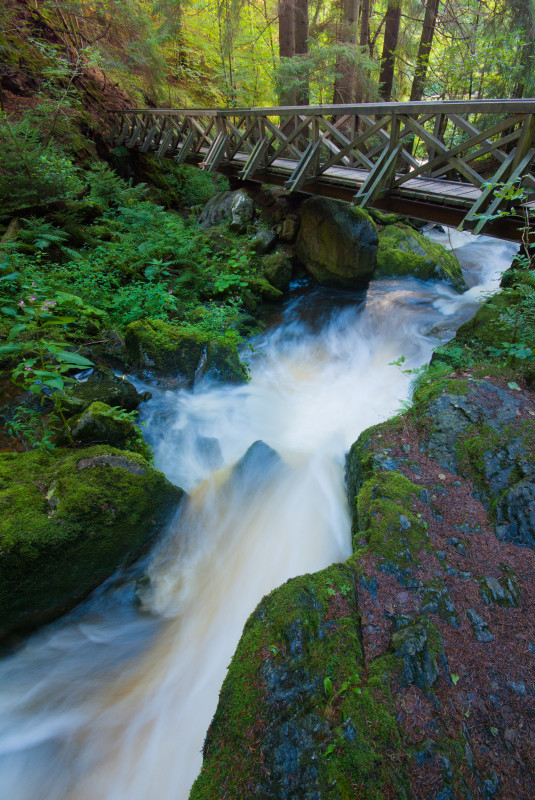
point(113, 701)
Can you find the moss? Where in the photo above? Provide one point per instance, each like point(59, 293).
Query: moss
point(404, 251)
point(275, 699)
point(102, 423)
point(440, 383)
point(277, 270)
point(68, 520)
point(385, 517)
point(168, 349)
point(264, 289)
point(153, 343)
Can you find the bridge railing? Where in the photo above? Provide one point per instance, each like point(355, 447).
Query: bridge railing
point(456, 152)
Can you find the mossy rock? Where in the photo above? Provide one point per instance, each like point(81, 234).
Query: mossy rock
point(68, 520)
point(101, 423)
point(164, 349)
point(404, 251)
point(337, 243)
point(300, 636)
point(263, 289)
point(277, 269)
point(104, 387)
point(223, 364)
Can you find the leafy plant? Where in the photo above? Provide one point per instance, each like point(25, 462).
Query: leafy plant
point(45, 364)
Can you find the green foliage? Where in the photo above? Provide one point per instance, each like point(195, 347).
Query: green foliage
point(31, 171)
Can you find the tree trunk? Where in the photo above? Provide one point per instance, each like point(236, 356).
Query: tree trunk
point(345, 83)
point(424, 50)
point(287, 95)
point(301, 49)
point(364, 41)
point(388, 59)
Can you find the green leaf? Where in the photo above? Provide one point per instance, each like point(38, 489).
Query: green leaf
point(328, 686)
point(10, 277)
point(16, 329)
point(454, 678)
point(494, 730)
point(513, 385)
point(9, 312)
point(8, 349)
point(73, 358)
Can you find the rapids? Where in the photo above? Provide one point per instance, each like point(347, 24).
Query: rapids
point(113, 701)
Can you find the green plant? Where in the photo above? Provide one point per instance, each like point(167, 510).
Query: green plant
point(45, 364)
point(344, 590)
point(33, 428)
point(32, 172)
point(350, 683)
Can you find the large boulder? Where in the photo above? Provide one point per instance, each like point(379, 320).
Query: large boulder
point(337, 243)
point(236, 208)
point(68, 520)
point(404, 251)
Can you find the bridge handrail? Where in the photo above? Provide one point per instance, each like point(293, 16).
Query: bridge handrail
point(524, 106)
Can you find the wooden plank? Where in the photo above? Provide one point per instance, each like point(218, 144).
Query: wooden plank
point(149, 139)
point(253, 162)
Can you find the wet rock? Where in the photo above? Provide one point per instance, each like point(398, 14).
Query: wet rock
point(160, 349)
point(222, 363)
point(480, 626)
point(404, 251)
point(101, 424)
point(411, 644)
point(337, 243)
point(256, 467)
point(103, 386)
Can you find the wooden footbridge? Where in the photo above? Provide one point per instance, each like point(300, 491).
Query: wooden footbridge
point(469, 164)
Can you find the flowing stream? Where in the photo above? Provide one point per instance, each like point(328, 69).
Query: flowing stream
point(113, 701)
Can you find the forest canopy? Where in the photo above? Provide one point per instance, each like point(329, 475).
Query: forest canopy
point(260, 52)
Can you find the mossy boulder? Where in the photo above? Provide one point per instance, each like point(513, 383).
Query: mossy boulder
point(101, 423)
point(277, 269)
point(68, 520)
point(223, 364)
point(404, 251)
point(160, 349)
point(163, 349)
point(104, 387)
point(337, 243)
